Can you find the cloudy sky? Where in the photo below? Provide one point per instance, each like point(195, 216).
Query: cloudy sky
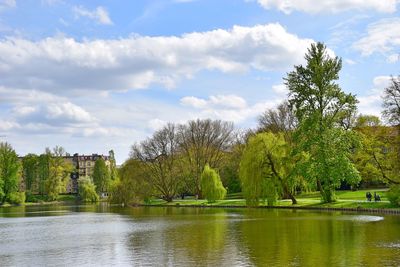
point(99, 75)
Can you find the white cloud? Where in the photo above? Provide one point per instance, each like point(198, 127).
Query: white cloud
point(64, 65)
point(156, 124)
point(100, 14)
point(217, 101)
point(371, 103)
point(229, 107)
point(280, 89)
point(349, 61)
point(313, 7)
point(381, 82)
point(5, 4)
point(382, 37)
point(193, 102)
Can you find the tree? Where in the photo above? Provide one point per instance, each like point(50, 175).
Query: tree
point(279, 120)
point(87, 190)
point(211, 185)
point(30, 171)
point(377, 159)
point(160, 157)
point(268, 169)
point(320, 107)
point(113, 166)
point(229, 167)
point(9, 172)
point(101, 176)
point(59, 173)
point(132, 186)
point(391, 102)
point(43, 171)
point(203, 142)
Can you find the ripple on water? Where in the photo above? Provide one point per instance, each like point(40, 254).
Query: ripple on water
point(361, 218)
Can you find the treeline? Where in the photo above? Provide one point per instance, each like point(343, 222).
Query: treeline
point(314, 141)
point(44, 177)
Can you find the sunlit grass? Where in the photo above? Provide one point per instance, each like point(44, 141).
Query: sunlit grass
point(345, 199)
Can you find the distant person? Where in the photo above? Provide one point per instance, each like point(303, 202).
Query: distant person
point(369, 196)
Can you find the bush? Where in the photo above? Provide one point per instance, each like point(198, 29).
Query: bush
point(211, 185)
point(87, 191)
point(30, 197)
point(394, 195)
point(17, 198)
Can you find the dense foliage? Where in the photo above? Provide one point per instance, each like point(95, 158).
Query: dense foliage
point(87, 190)
point(9, 175)
point(101, 176)
point(211, 185)
point(320, 107)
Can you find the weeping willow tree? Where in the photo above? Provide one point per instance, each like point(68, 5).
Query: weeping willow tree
point(211, 185)
point(268, 169)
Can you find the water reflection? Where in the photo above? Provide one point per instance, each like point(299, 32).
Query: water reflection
point(101, 235)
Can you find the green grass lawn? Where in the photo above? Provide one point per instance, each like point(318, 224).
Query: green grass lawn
point(345, 199)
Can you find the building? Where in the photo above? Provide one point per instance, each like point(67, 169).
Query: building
point(84, 165)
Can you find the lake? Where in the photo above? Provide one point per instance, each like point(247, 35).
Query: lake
point(100, 235)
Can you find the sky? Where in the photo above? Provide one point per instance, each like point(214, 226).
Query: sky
point(98, 75)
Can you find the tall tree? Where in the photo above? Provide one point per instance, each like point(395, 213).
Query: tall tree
point(160, 157)
point(59, 173)
point(391, 105)
point(320, 106)
point(113, 166)
point(377, 159)
point(279, 120)
point(30, 171)
point(43, 170)
point(391, 102)
point(101, 176)
point(9, 172)
point(203, 142)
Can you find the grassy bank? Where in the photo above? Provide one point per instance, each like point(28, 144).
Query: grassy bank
point(345, 199)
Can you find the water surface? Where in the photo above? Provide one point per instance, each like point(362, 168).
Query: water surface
point(99, 235)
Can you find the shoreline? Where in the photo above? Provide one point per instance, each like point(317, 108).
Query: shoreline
point(394, 211)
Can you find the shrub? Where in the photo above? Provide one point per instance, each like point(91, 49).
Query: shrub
point(211, 185)
point(17, 198)
point(394, 195)
point(30, 197)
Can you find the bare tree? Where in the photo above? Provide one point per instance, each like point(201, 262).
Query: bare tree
point(279, 120)
point(160, 157)
point(203, 142)
point(391, 102)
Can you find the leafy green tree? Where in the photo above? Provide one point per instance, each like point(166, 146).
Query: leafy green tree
point(113, 166)
point(321, 107)
point(43, 171)
point(211, 185)
point(87, 190)
point(377, 159)
point(101, 176)
point(269, 169)
point(59, 173)
point(132, 186)
point(9, 172)
point(30, 171)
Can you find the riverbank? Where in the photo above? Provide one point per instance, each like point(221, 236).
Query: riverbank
point(347, 201)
